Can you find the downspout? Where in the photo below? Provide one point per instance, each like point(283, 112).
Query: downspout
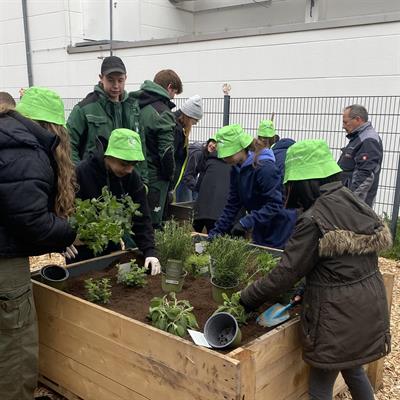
point(111, 27)
point(27, 42)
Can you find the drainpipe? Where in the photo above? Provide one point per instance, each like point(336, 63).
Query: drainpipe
point(27, 43)
point(111, 27)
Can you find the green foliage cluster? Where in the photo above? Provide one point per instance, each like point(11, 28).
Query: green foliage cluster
point(174, 241)
point(135, 276)
point(99, 221)
point(394, 251)
point(229, 260)
point(197, 264)
point(172, 315)
point(233, 307)
point(98, 291)
point(264, 263)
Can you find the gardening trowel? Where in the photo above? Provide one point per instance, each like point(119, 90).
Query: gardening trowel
point(275, 314)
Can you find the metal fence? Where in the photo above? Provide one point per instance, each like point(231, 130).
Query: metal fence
point(312, 118)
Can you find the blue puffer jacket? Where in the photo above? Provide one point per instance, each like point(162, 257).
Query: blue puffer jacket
point(280, 148)
point(258, 190)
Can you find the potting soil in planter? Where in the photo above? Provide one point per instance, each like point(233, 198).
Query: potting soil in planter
point(134, 302)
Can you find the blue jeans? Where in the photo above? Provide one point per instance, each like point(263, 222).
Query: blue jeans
point(321, 383)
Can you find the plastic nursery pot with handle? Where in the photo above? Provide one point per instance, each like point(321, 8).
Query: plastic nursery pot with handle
point(222, 331)
point(54, 275)
point(172, 284)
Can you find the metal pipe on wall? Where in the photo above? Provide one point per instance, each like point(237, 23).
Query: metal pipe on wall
point(27, 42)
point(111, 27)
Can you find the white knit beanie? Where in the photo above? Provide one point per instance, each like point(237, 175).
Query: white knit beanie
point(193, 107)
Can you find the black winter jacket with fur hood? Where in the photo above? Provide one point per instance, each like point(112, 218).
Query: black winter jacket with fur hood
point(28, 225)
point(344, 321)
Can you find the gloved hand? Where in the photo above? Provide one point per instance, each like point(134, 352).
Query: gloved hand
point(154, 264)
point(238, 230)
point(70, 252)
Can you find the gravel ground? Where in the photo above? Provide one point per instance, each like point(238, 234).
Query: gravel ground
point(391, 377)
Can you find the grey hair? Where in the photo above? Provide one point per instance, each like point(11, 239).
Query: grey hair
point(356, 110)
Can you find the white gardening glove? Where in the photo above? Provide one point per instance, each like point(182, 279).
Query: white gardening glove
point(154, 263)
point(70, 252)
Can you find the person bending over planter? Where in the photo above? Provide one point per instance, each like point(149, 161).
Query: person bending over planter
point(36, 198)
point(335, 245)
point(255, 185)
point(112, 165)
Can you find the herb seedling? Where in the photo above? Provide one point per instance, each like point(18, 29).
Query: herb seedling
point(98, 291)
point(134, 276)
point(233, 307)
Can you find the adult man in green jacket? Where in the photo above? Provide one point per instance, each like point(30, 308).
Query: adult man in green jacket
point(157, 124)
point(107, 108)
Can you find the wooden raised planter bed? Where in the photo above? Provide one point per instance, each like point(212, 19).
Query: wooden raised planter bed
point(91, 353)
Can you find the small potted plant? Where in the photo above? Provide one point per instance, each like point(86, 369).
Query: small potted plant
point(174, 245)
point(228, 265)
point(98, 291)
point(172, 315)
point(198, 264)
point(130, 274)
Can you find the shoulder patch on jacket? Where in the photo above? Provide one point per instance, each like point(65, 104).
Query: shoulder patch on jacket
point(160, 106)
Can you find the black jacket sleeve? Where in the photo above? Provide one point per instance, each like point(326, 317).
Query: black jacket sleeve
point(190, 176)
point(142, 228)
point(298, 259)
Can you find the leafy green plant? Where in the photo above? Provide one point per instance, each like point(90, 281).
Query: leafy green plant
point(264, 263)
point(134, 276)
point(394, 251)
point(197, 264)
point(233, 307)
point(228, 260)
point(172, 315)
point(174, 241)
point(98, 291)
point(99, 221)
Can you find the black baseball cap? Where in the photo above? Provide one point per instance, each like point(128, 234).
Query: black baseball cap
point(112, 64)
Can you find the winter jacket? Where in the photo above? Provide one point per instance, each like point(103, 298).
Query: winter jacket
point(361, 162)
point(180, 149)
point(92, 176)
point(96, 115)
point(158, 126)
point(280, 148)
point(196, 151)
point(344, 321)
point(28, 224)
point(258, 190)
point(213, 187)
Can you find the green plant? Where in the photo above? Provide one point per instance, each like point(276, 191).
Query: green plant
point(134, 276)
point(228, 260)
point(197, 264)
point(172, 315)
point(99, 221)
point(394, 251)
point(264, 263)
point(233, 307)
point(98, 291)
point(174, 241)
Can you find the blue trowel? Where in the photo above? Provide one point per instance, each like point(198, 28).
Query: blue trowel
point(275, 314)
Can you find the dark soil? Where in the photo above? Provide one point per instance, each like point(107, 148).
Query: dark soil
point(134, 302)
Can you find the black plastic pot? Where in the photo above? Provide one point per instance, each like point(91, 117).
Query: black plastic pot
point(54, 275)
point(222, 331)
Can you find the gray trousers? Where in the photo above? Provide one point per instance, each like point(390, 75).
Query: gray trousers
point(18, 331)
point(322, 381)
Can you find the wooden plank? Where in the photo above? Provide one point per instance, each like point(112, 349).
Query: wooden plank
point(247, 381)
point(375, 369)
point(76, 381)
point(174, 355)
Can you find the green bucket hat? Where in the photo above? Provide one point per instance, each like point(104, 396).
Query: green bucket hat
point(42, 104)
point(125, 144)
point(266, 129)
point(231, 139)
point(309, 159)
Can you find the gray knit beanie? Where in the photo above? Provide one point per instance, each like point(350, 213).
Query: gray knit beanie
point(193, 107)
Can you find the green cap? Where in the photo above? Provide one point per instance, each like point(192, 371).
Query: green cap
point(42, 104)
point(125, 144)
point(231, 139)
point(266, 129)
point(309, 159)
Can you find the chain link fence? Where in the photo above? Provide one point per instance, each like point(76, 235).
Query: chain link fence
point(311, 118)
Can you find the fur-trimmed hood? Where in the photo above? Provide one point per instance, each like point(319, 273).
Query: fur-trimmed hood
point(348, 230)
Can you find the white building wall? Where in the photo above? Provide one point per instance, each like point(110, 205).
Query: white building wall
point(358, 60)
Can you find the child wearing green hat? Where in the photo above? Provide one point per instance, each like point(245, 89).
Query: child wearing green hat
point(254, 185)
point(36, 198)
point(113, 165)
point(335, 246)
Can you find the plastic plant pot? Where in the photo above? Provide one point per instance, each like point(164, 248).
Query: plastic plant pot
point(172, 284)
point(174, 268)
point(218, 290)
point(222, 331)
point(54, 275)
